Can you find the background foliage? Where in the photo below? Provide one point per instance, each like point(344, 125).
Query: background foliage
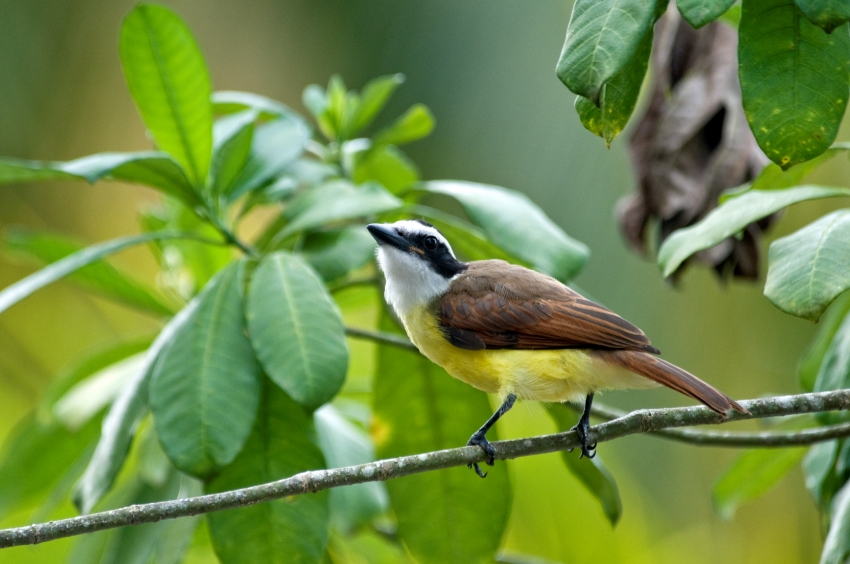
point(548, 506)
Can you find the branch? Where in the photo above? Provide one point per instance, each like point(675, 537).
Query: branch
point(759, 439)
point(370, 281)
point(381, 337)
point(642, 421)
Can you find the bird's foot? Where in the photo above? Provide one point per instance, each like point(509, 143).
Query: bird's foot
point(582, 428)
point(478, 439)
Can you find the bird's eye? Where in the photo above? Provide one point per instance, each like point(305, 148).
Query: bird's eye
point(431, 243)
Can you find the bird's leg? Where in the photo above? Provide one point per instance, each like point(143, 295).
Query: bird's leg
point(478, 438)
point(583, 426)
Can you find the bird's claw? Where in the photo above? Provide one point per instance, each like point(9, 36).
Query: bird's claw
point(482, 442)
point(587, 450)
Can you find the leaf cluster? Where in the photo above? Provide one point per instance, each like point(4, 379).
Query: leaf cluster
point(794, 70)
point(794, 66)
point(252, 378)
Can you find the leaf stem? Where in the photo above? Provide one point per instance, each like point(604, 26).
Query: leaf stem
point(231, 237)
point(381, 337)
point(642, 421)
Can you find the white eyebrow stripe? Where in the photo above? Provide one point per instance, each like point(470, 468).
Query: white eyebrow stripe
point(414, 227)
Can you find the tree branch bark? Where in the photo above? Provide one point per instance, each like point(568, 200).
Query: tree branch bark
point(758, 439)
point(642, 421)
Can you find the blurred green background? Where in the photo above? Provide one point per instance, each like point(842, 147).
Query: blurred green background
point(486, 69)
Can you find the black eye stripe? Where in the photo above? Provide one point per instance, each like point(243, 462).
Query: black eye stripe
point(425, 241)
point(436, 253)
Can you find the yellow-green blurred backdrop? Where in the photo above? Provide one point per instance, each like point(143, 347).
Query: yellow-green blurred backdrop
point(486, 69)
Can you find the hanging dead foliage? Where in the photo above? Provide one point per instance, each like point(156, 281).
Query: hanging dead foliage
point(692, 143)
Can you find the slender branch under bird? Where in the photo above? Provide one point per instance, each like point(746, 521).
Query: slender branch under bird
point(381, 337)
point(643, 421)
point(735, 439)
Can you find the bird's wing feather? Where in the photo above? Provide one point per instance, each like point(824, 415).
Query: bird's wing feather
point(497, 305)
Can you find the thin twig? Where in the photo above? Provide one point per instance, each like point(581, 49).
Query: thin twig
point(758, 439)
point(231, 237)
point(380, 336)
point(642, 421)
point(370, 281)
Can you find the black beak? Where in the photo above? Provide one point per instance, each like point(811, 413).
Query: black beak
point(387, 236)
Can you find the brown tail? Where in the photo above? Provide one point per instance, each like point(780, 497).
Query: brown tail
point(675, 378)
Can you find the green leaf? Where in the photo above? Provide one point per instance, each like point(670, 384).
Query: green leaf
point(591, 472)
point(335, 111)
point(602, 38)
point(349, 113)
point(809, 268)
point(828, 14)
point(282, 443)
point(373, 98)
point(21, 289)
point(98, 276)
point(836, 547)
point(731, 217)
point(414, 124)
point(329, 107)
point(448, 515)
point(177, 538)
point(772, 177)
point(753, 474)
point(13, 171)
point(232, 137)
point(732, 16)
point(35, 458)
point(794, 79)
point(818, 468)
point(517, 225)
point(120, 424)
point(336, 201)
point(168, 79)
point(231, 102)
point(205, 386)
point(159, 171)
point(834, 373)
point(315, 99)
point(387, 165)
point(344, 444)
point(90, 362)
point(150, 168)
point(275, 146)
point(828, 326)
point(296, 330)
point(87, 398)
point(700, 12)
point(139, 544)
point(303, 173)
point(370, 546)
point(154, 467)
point(618, 98)
point(333, 254)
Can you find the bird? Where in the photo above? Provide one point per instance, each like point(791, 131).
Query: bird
point(508, 330)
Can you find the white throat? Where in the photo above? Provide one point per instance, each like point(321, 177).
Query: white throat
point(410, 281)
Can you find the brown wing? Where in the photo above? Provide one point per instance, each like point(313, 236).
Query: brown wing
point(494, 304)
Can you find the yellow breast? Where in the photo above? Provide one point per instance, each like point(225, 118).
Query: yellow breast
point(543, 375)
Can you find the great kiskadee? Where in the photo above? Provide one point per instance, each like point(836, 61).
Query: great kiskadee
point(508, 330)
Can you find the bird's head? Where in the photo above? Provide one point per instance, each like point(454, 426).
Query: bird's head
point(417, 261)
